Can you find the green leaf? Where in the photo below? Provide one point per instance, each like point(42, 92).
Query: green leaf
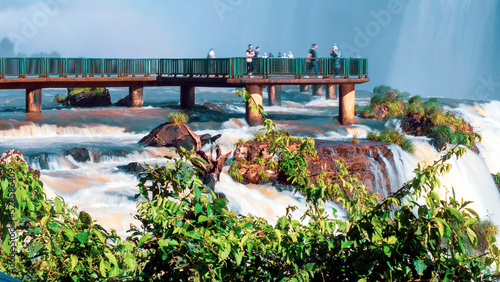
point(198, 208)
point(144, 239)
point(74, 261)
point(102, 268)
point(346, 244)
point(69, 233)
point(225, 251)
point(419, 266)
point(58, 204)
point(130, 261)
point(43, 222)
point(111, 257)
point(167, 242)
point(100, 236)
point(202, 218)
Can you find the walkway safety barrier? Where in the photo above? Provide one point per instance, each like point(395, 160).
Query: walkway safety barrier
point(223, 67)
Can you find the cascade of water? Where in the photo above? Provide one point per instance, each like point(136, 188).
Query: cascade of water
point(441, 45)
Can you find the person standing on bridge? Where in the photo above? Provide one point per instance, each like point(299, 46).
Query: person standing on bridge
point(335, 54)
point(312, 60)
point(250, 55)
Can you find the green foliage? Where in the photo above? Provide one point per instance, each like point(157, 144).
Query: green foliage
point(394, 137)
point(377, 99)
point(442, 131)
point(263, 175)
point(235, 173)
point(55, 242)
point(178, 118)
point(272, 164)
point(497, 178)
point(416, 100)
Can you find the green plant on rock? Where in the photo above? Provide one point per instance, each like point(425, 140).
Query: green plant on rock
point(394, 137)
point(235, 173)
point(442, 131)
point(272, 164)
point(260, 161)
point(264, 175)
point(178, 118)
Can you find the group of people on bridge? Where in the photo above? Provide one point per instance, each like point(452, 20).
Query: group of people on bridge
point(312, 58)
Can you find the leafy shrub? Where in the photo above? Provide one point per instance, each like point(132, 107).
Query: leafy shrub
point(416, 100)
point(178, 118)
point(377, 99)
point(442, 131)
point(260, 161)
point(394, 137)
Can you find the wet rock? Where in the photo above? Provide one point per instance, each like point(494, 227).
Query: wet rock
point(438, 143)
point(87, 97)
point(79, 154)
point(132, 168)
point(366, 159)
point(169, 135)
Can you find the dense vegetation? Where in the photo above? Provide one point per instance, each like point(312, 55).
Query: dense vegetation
point(419, 117)
point(188, 234)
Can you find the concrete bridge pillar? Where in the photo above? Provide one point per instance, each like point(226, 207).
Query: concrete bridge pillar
point(346, 104)
point(33, 100)
point(304, 88)
point(331, 91)
point(252, 114)
point(274, 95)
point(317, 90)
point(136, 95)
point(187, 96)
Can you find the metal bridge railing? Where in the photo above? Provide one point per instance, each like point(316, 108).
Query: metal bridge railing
point(226, 67)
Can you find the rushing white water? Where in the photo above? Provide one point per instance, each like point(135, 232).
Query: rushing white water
point(485, 118)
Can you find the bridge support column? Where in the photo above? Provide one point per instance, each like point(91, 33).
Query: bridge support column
point(317, 90)
point(136, 95)
point(331, 91)
point(252, 115)
point(346, 104)
point(304, 88)
point(187, 96)
point(274, 95)
point(33, 100)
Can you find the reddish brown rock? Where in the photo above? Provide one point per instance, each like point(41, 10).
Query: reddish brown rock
point(169, 135)
point(364, 159)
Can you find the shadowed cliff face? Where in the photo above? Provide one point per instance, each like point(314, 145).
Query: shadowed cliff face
point(368, 160)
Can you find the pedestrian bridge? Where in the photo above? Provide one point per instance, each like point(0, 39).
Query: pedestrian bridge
point(34, 74)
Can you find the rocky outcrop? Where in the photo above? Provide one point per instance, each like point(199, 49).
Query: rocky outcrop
point(87, 97)
point(79, 154)
point(367, 159)
point(170, 135)
point(132, 168)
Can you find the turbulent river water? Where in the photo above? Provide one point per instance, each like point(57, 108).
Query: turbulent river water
point(111, 134)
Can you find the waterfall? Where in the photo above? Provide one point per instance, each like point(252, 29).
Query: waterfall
point(469, 178)
point(441, 46)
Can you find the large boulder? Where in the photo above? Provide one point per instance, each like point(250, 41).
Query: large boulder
point(79, 154)
point(171, 135)
point(367, 159)
point(87, 97)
